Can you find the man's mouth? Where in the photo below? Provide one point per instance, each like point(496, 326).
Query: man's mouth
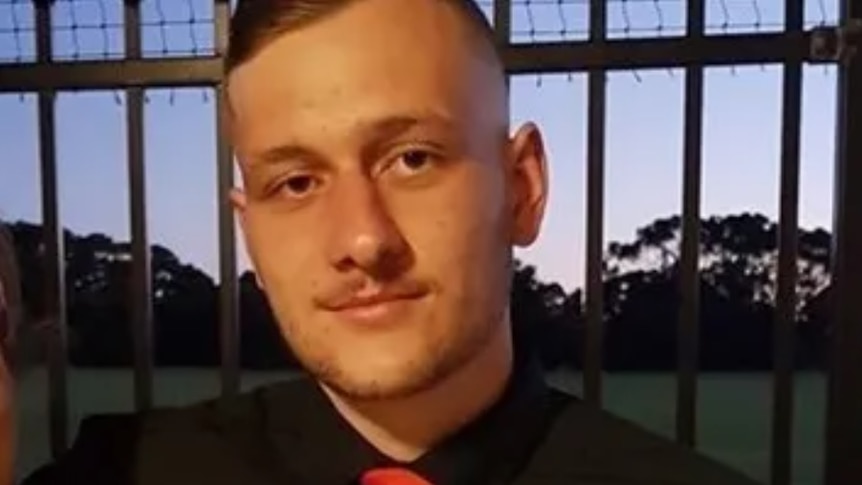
point(374, 306)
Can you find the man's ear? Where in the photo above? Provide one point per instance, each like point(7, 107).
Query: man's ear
point(529, 178)
point(239, 201)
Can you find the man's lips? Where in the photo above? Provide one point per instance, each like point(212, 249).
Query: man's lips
point(371, 300)
point(374, 305)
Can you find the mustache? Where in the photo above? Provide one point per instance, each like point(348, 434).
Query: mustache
point(360, 292)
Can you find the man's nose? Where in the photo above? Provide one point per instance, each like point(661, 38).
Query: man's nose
point(364, 234)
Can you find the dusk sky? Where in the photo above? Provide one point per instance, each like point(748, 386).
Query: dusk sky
point(644, 145)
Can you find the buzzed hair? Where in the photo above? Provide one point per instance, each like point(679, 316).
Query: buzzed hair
point(255, 23)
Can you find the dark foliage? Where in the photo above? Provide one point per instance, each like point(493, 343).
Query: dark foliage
point(641, 302)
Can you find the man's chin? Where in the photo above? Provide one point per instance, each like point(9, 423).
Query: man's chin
point(371, 384)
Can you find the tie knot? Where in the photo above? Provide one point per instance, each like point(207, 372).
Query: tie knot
point(392, 476)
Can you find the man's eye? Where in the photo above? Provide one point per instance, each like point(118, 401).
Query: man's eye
point(415, 161)
point(299, 185)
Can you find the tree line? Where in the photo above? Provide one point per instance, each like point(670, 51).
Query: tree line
point(641, 299)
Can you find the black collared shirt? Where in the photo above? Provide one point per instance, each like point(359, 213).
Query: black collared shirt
point(322, 448)
point(290, 434)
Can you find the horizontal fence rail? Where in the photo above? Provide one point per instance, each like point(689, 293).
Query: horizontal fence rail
point(607, 55)
point(149, 73)
point(597, 55)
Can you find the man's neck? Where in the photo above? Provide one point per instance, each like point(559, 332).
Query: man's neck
point(406, 428)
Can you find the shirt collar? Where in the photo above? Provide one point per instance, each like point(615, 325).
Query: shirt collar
point(314, 444)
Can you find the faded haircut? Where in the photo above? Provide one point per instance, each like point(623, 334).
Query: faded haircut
point(256, 23)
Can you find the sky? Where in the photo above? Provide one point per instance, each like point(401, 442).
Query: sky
point(643, 147)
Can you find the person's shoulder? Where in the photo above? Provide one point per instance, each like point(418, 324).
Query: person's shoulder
point(169, 443)
point(220, 441)
point(101, 452)
point(593, 445)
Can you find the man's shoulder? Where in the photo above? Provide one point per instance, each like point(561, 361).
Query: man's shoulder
point(249, 410)
point(598, 447)
point(219, 435)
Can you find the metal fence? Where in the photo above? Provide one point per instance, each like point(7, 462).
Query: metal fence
point(596, 49)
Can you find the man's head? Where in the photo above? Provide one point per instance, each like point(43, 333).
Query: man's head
point(10, 315)
point(374, 146)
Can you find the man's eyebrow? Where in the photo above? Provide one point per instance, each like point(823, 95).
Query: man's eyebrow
point(392, 126)
point(378, 131)
point(285, 152)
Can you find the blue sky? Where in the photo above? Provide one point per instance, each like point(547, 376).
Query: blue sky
point(644, 145)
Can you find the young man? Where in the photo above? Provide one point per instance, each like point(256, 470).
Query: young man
point(10, 315)
point(383, 195)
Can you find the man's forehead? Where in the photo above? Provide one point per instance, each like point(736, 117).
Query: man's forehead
point(350, 91)
point(372, 60)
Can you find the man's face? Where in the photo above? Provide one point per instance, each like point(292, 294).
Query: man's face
point(382, 193)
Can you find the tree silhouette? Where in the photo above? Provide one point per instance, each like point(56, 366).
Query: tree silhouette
point(546, 317)
point(738, 260)
point(738, 265)
point(262, 345)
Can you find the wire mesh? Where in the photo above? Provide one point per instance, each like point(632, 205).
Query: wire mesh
point(93, 29)
point(86, 29)
point(174, 28)
point(17, 42)
point(564, 20)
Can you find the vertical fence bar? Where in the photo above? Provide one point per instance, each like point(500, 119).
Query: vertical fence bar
point(55, 268)
point(503, 22)
point(788, 224)
point(689, 275)
point(843, 464)
point(229, 335)
point(502, 11)
point(597, 107)
point(141, 281)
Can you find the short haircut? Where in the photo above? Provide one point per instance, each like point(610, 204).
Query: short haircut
point(255, 23)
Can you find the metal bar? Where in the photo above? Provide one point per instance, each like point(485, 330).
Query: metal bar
point(503, 21)
point(843, 464)
point(615, 54)
point(596, 122)
point(503, 31)
point(55, 273)
point(228, 288)
point(658, 53)
point(141, 280)
point(788, 225)
point(688, 325)
point(151, 73)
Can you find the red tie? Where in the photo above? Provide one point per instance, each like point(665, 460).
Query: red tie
point(392, 476)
